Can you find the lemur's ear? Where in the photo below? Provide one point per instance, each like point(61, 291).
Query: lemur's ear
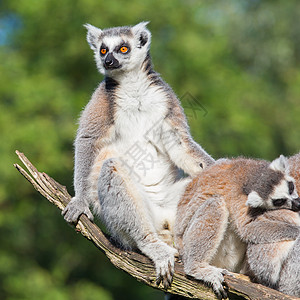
point(93, 35)
point(254, 200)
point(142, 34)
point(280, 164)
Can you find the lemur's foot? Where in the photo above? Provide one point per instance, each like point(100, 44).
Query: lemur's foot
point(213, 277)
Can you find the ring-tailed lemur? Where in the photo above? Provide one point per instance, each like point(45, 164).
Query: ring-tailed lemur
point(131, 143)
point(277, 264)
point(225, 208)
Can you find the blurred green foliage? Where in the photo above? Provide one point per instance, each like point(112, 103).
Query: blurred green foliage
point(235, 64)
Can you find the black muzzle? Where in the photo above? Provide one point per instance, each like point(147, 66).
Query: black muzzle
point(296, 204)
point(111, 63)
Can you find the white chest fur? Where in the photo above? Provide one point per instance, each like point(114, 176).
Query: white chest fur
point(140, 106)
point(140, 112)
point(231, 252)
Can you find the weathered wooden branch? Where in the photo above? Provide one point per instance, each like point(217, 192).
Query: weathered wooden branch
point(137, 265)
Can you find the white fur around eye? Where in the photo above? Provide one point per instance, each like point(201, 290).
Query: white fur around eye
point(112, 42)
point(295, 192)
point(281, 191)
point(254, 200)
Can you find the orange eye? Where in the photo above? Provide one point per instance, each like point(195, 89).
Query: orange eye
point(103, 51)
point(124, 49)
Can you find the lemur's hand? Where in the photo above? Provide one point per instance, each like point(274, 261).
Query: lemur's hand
point(75, 208)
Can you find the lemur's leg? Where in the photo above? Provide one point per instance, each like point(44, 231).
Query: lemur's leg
point(127, 214)
point(290, 273)
point(264, 261)
point(201, 241)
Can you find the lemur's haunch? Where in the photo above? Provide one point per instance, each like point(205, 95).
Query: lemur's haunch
point(132, 142)
point(226, 208)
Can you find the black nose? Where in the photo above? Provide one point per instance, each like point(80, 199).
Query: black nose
point(111, 62)
point(296, 204)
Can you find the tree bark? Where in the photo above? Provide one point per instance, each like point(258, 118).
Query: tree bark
point(136, 264)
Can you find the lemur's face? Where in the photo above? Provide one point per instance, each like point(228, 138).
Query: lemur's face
point(284, 195)
point(278, 190)
point(119, 49)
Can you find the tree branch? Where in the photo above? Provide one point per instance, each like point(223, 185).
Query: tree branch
point(137, 265)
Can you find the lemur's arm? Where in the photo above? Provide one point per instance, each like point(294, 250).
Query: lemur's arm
point(182, 149)
point(93, 127)
point(84, 156)
point(264, 229)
